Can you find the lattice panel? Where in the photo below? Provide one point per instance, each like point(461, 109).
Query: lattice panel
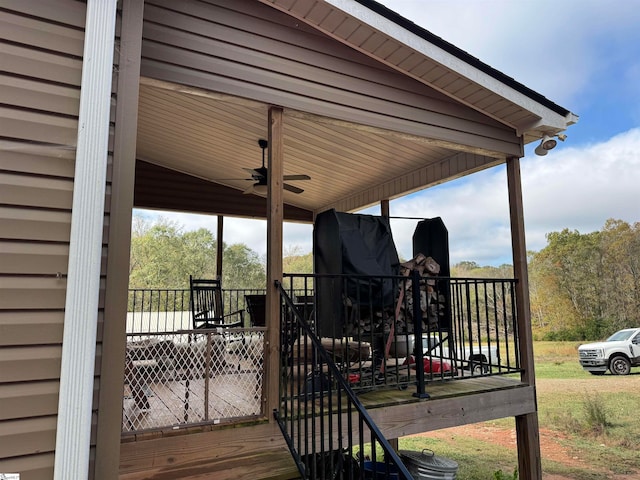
point(172, 380)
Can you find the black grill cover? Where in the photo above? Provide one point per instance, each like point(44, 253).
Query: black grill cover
point(351, 244)
point(431, 238)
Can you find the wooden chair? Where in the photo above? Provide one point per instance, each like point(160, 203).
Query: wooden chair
point(257, 308)
point(207, 307)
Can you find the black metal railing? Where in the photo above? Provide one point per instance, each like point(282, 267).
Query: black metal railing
point(153, 310)
point(327, 429)
point(368, 326)
point(467, 327)
point(168, 309)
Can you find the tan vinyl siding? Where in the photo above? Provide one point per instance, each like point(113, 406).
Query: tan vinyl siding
point(24, 224)
point(29, 399)
point(27, 436)
point(35, 191)
point(23, 364)
point(223, 44)
point(44, 326)
point(31, 159)
point(38, 466)
point(41, 46)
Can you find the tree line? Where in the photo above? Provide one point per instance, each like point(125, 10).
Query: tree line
point(163, 256)
point(582, 286)
point(586, 285)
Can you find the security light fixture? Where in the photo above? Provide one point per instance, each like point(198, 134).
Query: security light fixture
point(547, 143)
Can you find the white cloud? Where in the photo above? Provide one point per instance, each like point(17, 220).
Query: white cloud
point(475, 211)
point(574, 188)
point(580, 188)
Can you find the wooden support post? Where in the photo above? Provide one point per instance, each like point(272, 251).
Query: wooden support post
point(384, 207)
point(274, 258)
point(219, 247)
point(527, 430)
point(109, 422)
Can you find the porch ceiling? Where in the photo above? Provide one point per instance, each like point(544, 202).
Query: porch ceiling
point(250, 50)
point(215, 137)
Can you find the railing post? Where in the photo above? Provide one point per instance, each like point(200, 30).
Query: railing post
point(417, 330)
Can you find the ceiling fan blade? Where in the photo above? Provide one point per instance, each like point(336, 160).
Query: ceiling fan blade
point(292, 188)
point(296, 177)
point(232, 179)
point(248, 191)
point(259, 176)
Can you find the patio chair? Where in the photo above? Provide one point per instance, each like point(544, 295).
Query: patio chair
point(256, 306)
point(207, 307)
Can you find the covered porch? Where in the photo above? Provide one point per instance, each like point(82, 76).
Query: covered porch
point(203, 396)
point(113, 105)
point(366, 127)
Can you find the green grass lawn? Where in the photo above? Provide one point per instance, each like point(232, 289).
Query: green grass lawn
point(557, 360)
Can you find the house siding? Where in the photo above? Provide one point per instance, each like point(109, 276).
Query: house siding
point(41, 47)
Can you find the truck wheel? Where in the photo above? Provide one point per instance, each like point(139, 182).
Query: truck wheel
point(620, 365)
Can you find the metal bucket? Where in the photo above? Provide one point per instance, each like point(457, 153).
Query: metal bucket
point(426, 465)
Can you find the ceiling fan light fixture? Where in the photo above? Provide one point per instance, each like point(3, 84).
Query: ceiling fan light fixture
point(259, 176)
point(260, 188)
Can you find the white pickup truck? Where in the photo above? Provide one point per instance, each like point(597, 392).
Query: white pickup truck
point(618, 353)
point(477, 358)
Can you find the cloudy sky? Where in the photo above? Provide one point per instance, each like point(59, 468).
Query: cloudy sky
point(583, 55)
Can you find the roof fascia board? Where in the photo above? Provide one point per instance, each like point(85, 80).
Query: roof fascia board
point(550, 120)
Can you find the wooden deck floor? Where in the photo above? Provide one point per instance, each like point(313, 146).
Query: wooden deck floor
point(396, 412)
point(235, 395)
point(438, 390)
point(229, 395)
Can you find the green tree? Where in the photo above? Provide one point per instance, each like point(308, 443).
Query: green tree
point(469, 269)
point(620, 244)
point(163, 256)
point(156, 255)
point(586, 286)
point(242, 268)
point(552, 312)
point(296, 262)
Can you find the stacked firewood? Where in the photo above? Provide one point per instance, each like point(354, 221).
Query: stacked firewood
point(364, 322)
point(431, 300)
point(400, 314)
